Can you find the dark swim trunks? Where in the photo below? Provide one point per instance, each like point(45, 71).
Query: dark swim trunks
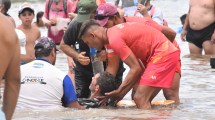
point(197, 37)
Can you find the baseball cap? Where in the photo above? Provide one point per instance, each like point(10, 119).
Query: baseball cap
point(22, 41)
point(104, 11)
point(85, 8)
point(25, 6)
point(44, 44)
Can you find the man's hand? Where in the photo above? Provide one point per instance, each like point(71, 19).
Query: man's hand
point(54, 21)
point(116, 95)
point(83, 59)
point(213, 38)
point(183, 34)
point(71, 62)
point(48, 24)
point(142, 9)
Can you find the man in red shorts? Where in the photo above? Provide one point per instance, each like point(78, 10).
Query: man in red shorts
point(150, 46)
point(108, 16)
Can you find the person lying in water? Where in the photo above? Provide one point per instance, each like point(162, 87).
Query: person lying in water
point(101, 83)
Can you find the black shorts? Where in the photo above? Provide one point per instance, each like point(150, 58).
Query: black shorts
point(197, 37)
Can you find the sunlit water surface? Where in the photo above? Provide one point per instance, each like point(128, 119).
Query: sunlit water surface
point(197, 86)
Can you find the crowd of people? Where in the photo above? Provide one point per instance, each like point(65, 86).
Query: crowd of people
point(151, 52)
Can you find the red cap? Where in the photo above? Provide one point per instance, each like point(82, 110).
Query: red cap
point(104, 11)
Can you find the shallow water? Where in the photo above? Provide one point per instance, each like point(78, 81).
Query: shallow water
point(197, 91)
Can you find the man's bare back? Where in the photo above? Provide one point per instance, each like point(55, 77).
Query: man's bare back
point(201, 14)
point(32, 34)
point(9, 64)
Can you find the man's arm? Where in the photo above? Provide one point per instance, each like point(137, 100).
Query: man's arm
point(130, 80)
point(113, 65)
point(169, 33)
point(186, 24)
point(12, 84)
point(69, 94)
point(9, 66)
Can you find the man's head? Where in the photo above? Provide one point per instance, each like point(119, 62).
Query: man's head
point(102, 83)
point(26, 13)
point(107, 15)
point(5, 5)
point(45, 48)
point(93, 34)
point(182, 18)
point(86, 10)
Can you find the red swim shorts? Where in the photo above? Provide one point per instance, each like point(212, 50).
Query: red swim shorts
point(178, 68)
point(161, 73)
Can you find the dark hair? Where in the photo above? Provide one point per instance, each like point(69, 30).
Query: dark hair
point(106, 82)
point(86, 25)
point(39, 15)
point(182, 18)
point(7, 4)
point(41, 52)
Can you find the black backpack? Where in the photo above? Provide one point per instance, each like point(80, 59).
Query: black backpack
point(64, 6)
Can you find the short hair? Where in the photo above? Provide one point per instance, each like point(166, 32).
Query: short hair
point(6, 3)
point(43, 47)
point(86, 25)
point(182, 18)
point(106, 82)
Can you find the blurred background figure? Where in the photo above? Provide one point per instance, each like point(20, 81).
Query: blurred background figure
point(4, 7)
point(56, 17)
point(182, 19)
point(39, 22)
point(32, 33)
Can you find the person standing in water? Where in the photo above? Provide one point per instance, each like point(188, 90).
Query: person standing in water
point(199, 26)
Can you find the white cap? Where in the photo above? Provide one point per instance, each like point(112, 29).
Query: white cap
point(25, 6)
point(22, 41)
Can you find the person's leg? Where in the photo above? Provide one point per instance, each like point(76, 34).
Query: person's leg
point(209, 47)
point(173, 92)
point(82, 82)
point(194, 49)
point(144, 95)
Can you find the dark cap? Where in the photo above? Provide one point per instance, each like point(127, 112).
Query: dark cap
point(85, 8)
point(44, 44)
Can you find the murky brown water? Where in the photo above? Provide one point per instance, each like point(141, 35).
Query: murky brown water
point(197, 91)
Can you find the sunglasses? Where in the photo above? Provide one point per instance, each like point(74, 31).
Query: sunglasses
point(101, 17)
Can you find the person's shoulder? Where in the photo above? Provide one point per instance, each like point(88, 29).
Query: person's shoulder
point(6, 29)
point(74, 23)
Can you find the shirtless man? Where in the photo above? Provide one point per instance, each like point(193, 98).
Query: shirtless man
point(26, 15)
point(199, 26)
point(9, 65)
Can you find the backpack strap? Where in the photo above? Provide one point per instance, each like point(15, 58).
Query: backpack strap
point(152, 10)
point(49, 6)
point(65, 6)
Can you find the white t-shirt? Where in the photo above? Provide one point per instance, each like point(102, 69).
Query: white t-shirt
point(43, 86)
